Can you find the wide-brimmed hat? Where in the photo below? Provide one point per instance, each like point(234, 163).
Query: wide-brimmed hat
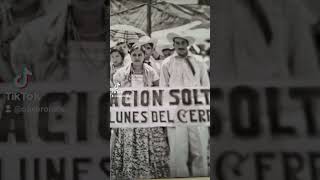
point(172, 36)
point(147, 40)
point(120, 41)
point(131, 42)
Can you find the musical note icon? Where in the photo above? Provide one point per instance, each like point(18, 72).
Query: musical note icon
point(22, 80)
point(115, 89)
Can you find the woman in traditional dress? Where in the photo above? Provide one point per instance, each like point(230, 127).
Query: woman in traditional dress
point(139, 152)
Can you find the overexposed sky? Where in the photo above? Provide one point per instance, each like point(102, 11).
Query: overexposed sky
point(183, 1)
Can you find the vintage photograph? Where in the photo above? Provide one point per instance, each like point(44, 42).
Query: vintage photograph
point(266, 86)
point(53, 71)
point(160, 99)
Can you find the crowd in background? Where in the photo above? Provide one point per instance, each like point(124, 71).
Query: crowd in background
point(279, 43)
point(155, 54)
point(66, 42)
point(159, 152)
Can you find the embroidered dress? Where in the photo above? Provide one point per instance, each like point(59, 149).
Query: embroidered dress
point(139, 152)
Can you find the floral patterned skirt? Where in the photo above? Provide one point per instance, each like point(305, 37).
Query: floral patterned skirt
point(140, 153)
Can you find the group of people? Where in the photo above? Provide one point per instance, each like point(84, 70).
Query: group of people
point(43, 35)
point(158, 152)
point(56, 41)
point(61, 41)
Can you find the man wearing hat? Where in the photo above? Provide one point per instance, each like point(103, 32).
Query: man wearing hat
point(166, 49)
point(182, 69)
point(124, 47)
point(149, 44)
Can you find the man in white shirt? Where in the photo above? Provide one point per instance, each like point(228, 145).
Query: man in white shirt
point(149, 46)
point(182, 69)
point(166, 50)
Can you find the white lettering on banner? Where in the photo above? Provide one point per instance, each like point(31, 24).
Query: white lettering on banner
point(85, 110)
point(165, 107)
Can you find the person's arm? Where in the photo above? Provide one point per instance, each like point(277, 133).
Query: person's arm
point(205, 80)
point(164, 75)
point(155, 77)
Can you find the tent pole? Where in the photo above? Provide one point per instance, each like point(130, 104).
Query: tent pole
point(149, 23)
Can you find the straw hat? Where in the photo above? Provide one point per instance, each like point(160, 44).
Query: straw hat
point(147, 40)
point(172, 36)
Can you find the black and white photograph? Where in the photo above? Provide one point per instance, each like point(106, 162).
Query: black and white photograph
point(266, 90)
point(120, 89)
point(160, 96)
point(53, 99)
